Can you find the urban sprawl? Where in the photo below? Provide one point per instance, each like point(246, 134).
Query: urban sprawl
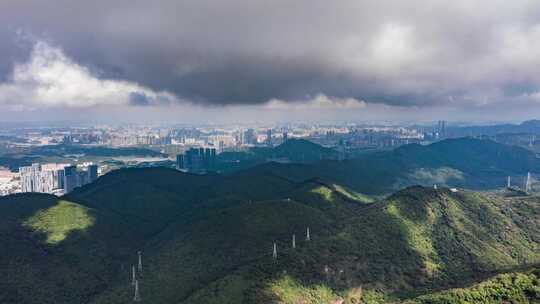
point(189, 148)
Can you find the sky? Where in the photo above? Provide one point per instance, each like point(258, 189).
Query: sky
point(263, 61)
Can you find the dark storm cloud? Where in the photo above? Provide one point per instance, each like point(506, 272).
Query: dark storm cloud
point(141, 99)
point(138, 99)
point(249, 52)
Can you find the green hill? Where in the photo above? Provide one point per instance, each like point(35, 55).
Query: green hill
point(301, 150)
point(293, 151)
point(56, 251)
point(528, 126)
point(416, 241)
point(521, 287)
point(464, 162)
point(209, 239)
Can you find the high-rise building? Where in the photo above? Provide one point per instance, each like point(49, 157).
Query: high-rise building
point(180, 162)
point(92, 170)
point(70, 178)
point(74, 178)
point(197, 160)
point(190, 161)
point(249, 137)
point(441, 130)
point(285, 136)
point(46, 178)
point(207, 158)
point(269, 137)
point(29, 177)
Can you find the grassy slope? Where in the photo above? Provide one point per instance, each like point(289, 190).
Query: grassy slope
point(55, 251)
point(208, 239)
point(204, 246)
point(414, 242)
point(521, 287)
point(58, 221)
point(412, 259)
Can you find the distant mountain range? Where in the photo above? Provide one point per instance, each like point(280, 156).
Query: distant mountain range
point(529, 126)
point(463, 162)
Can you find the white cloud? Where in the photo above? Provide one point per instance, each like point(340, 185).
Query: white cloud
point(319, 102)
point(51, 79)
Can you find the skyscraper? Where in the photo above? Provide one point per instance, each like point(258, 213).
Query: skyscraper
point(249, 137)
point(207, 158)
point(92, 172)
point(70, 178)
point(44, 178)
point(197, 160)
point(29, 177)
point(180, 162)
point(269, 137)
point(74, 178)
point(441, 129)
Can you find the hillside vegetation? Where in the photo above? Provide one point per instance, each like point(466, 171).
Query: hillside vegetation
point(209, 239)
point(293, 150)
point(463, 162)
point(521, 287)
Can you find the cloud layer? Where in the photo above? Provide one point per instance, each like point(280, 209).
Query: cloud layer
point(50, 79)
point(406, 53)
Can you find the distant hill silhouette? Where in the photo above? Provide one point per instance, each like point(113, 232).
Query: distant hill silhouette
point(462, 162)
point(300, 150)
point(529, 126)
point(291, 151)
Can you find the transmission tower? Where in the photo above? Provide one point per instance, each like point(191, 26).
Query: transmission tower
point(293, 241)
point(140, 261)
point(528, 183)
point(274, 252)
point(308, 237)
point(137, 296)
point(133, 275)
